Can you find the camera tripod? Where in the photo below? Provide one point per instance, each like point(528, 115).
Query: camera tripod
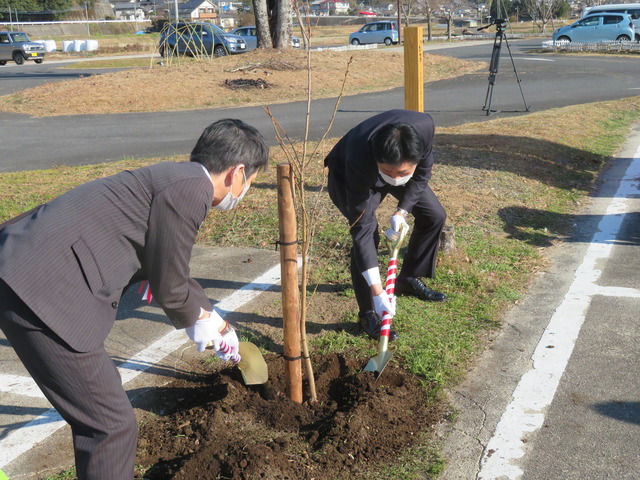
point(495, 63)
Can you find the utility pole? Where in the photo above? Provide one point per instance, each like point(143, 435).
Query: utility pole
point(86, 13)
point(399, 24)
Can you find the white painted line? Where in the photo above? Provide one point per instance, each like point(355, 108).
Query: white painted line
point(20, 440)
point(19, 385)
point(535, 59)
point(537, 387)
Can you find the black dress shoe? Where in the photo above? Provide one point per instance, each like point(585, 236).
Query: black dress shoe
point(371, 323)
point(415, 287)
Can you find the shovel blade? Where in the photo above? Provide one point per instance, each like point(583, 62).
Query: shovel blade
point(376, 364)
point(252, 365)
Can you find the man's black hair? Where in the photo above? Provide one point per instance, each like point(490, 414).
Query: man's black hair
point(230, 142)
point(396, 143)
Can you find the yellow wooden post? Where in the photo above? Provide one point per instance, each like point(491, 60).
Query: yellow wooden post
point(413, 69)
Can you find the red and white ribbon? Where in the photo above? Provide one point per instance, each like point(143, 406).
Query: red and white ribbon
point(390, 288)
point(147, 295)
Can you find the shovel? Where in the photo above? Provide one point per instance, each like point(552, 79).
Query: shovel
point(252, 366)
point(376, 364)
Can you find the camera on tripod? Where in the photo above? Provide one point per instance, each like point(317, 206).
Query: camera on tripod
point(500, 24)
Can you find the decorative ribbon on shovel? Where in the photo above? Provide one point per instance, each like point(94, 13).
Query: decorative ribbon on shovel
point(385, 352)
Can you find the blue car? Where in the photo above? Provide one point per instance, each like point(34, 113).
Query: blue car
point(375, 32)
point(198, 39)
point(597, 28)
point(250, 36)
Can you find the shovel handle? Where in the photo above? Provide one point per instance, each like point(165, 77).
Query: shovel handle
point(390, 284)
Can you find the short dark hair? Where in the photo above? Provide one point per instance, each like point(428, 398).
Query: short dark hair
point(396, 143)
point(230, 142)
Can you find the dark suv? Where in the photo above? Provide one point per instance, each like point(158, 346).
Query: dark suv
point(17, 47)
point(196, 39)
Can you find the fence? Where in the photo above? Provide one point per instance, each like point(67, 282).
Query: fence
point(603, 46)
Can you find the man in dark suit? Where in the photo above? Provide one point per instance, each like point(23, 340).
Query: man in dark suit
point(390, 153)
point(64, 266)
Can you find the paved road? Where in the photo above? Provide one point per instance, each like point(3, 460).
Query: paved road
point(548, 81)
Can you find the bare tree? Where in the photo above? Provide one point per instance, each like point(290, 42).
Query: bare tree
point(447, 12)
point(541, 11)
point(409, 7)
point(427, 8)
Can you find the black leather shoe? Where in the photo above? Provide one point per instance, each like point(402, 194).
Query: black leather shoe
point(415, 288)
point(371, 322)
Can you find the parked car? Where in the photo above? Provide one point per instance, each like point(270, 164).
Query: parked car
point(598, 27)
point(632, 9)
point(196, 39)
point(18, 47)
point(376, 32)
point(251, 38)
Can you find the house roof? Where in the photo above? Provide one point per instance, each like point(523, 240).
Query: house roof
point(191, 5)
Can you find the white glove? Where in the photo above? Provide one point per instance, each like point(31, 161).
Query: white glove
point(205, 331)
point(383, 304)
point(397, 221)
point(227, 346)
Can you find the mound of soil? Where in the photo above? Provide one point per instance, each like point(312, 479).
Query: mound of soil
point(219, 428)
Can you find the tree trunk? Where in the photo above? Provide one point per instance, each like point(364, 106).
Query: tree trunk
point(262, 23)
point(282, 32)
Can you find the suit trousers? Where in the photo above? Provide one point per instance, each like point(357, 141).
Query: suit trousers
point(422, 249)
point(84, 387)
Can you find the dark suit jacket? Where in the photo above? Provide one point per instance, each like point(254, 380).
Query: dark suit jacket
point(70, 259)
point(354, 172)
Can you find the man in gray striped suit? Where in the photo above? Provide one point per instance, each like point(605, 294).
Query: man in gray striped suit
point(65, 264)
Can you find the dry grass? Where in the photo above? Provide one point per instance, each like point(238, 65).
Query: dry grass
point(188, 84)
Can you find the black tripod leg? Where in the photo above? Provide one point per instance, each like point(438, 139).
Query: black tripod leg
point(493, 71)
point(513, 63)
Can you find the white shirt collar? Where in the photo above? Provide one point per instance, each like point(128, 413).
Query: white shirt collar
point(205, 170)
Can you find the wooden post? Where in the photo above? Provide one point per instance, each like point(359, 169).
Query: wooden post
point(413, 69)
point(290, 288)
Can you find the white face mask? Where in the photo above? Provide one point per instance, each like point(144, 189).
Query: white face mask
point(230, 201)
point(396, 182)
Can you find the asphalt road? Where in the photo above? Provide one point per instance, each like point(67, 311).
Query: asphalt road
point(547, 81)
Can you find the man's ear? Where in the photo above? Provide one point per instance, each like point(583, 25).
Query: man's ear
point(231, 173)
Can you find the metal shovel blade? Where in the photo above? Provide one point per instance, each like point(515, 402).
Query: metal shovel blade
point(376, 364)
point(252, 365)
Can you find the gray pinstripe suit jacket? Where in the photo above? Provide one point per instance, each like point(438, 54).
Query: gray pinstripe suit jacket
point(70, 259)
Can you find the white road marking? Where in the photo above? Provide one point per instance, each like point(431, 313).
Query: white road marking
point(26, 437)
point(535, 59)
point(537, 387)
point(20, 385)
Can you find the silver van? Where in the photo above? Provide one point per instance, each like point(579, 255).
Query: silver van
point(18, 47)
point(376, 32)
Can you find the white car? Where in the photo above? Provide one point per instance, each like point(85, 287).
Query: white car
point(251, 39)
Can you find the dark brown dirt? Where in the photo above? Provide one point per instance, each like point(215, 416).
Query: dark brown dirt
point(219, 428)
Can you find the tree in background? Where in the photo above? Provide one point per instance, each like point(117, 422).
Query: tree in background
point(273, 23)
point(34, 10)
point(541, 12)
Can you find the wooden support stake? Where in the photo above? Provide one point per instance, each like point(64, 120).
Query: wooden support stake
point(413, 69)
point(290, 288)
